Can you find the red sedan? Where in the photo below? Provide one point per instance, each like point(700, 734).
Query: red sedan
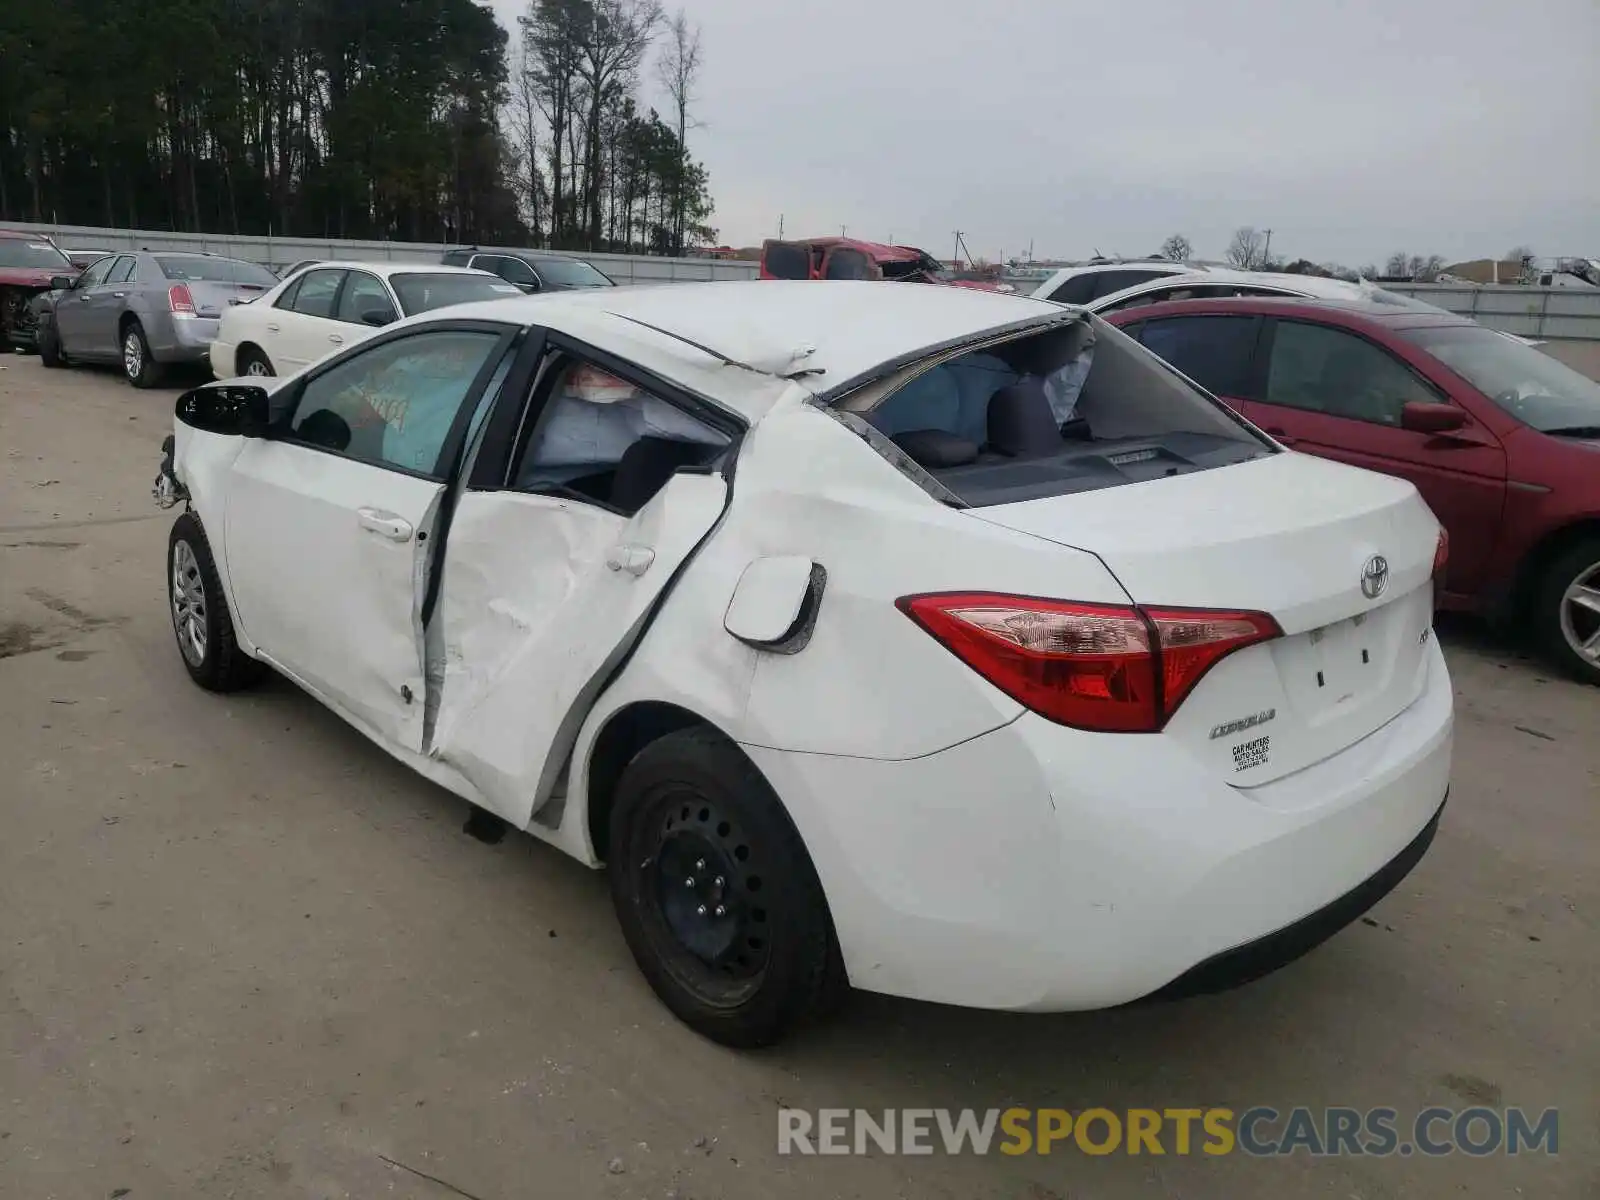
point(1501, 440)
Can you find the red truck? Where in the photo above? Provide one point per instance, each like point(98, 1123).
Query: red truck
point(848, 258)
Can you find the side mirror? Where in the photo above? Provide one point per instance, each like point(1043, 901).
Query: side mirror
point(1422, 417)
point(236, 410)
point(61, 283)
point(377, 316)
point(530, 287)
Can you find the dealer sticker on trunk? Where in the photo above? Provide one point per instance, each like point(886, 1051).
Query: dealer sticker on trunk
point(1251, 754)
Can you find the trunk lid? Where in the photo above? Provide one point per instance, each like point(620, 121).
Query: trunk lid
point(1290, 535)
point(212, 298)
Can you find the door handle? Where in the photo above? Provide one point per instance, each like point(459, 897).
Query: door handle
point(635, 560)
point(118, 295)
point(336, 339)
point(384, 524)
point(1280, 436)
point(272, 327)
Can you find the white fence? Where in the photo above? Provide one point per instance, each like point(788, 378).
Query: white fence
point(1554, 314)
point(280, 252)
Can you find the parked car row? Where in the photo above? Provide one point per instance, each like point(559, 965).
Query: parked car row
point(151, 310)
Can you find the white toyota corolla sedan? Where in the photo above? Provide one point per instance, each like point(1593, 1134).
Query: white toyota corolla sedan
point(941, 643)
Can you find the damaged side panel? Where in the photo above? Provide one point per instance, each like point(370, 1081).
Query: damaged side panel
point(541, 598)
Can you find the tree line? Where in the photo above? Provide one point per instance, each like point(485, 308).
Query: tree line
point(413, 120)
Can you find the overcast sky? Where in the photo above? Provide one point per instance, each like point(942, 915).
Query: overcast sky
point(1351, 128)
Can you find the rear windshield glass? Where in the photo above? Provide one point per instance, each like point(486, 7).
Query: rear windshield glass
point(422, 292)
point(196, 268)
point(1073, 409)
point(14, 252)
point(786, 260)
point(571, 272)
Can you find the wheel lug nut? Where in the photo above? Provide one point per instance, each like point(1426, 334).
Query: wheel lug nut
point(721, 881)
point(701, 910)
point(720, 911)
point(700, 864)
point(689, 882)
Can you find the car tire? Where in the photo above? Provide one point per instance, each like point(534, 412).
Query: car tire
point(50, 347)
point(1565, 619)
point(201, 622)
point(251, 361)
point(716, 894)
point(140, 368)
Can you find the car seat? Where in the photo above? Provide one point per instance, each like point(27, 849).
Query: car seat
point(646, 466)
point(1021, 421)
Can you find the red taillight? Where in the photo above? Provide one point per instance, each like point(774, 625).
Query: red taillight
point(1441, 555)
point(180, 299)
point(1111, 668)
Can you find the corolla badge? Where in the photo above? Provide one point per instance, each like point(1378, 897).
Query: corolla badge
point(1374, 577)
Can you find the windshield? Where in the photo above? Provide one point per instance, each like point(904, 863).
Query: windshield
point(196, 268)
point(14, 252)
point(1527, 383)
point(572, 272)
point(421, 292)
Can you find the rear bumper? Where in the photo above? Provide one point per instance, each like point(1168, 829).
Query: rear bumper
point(182, 339)
point(1047, 869)
point(1265, 955)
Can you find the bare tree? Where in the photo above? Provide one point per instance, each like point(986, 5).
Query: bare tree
point(1176, 248)
point(1248, 249)
point(552, 33)
point(1398, 263)
point(679, 71)
point(1517, 253)
point(615, 42)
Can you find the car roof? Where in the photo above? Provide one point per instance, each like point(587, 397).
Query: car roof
point(1346, 310)
point(844, 328)
point(387, 269)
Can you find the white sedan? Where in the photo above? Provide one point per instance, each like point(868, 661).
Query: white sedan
point(939, 642)
point(319, 310)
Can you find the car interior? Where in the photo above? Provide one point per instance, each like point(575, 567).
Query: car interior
point(603, 440)
point(1024, 420)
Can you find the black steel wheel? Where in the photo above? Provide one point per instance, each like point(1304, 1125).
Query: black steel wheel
point(716, 894)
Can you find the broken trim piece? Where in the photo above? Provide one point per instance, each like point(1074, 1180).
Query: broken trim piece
point(798, 353)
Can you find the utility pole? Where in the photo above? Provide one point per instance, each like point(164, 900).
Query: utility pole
point(780, 227)
point(842, 228)
point(1266, 255)
point(958, 248)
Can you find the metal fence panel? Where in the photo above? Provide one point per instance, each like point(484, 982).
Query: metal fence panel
point(1555, 314)
point(280, 252)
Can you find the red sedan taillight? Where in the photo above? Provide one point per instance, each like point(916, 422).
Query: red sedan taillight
point(180, 299)
point(1441, 556)
point(1109, 668)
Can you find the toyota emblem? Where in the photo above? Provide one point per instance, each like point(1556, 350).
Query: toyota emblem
point(1374, 577)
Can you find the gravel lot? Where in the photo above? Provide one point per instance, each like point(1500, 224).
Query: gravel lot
point(243, 953)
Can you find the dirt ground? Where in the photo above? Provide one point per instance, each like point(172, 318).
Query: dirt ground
point(243, 953)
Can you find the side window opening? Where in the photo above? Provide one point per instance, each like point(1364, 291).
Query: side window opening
point(1070, 409)
point(1324, 370)
point(608, 441)
point(394, 404)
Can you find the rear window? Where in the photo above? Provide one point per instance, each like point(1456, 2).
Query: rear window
point(1072, 409)
point(195, 268)
point(1214, 351)
point(572, 272)
point(787, 260)
point(422, 292)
